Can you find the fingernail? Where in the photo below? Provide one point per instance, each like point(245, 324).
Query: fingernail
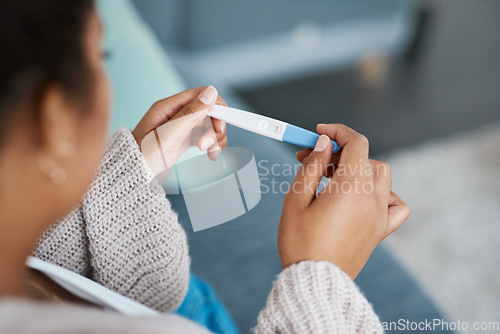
point(322, 143)
point(209, 95)
point(214, 155)
point(321, 124)
point(222, 127)
point(206, 143)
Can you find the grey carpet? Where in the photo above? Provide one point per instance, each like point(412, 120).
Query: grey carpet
point(451, 243)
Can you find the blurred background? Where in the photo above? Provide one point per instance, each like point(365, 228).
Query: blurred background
point(421, 79)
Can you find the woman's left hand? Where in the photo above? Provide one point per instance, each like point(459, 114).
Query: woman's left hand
point(171, 108)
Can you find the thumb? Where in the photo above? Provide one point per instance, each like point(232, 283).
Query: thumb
point(304, 186)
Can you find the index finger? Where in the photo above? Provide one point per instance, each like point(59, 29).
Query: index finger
point(355, 146)
point(163, 110)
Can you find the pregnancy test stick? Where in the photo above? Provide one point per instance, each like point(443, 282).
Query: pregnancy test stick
point(268, 127)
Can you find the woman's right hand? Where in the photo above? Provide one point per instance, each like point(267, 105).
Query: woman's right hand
point(345, 222)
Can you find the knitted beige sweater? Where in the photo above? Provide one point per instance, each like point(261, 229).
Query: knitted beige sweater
point(125, 236)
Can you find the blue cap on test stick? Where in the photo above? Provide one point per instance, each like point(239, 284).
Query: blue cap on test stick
point(305, 138)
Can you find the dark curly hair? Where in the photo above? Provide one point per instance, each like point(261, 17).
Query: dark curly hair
point(41, 42)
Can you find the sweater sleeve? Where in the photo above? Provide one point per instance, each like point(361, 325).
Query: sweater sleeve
point(124, 235)
point(316, 297)
point(65, 243)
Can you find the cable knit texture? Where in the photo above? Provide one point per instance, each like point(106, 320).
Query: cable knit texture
point(125, 236)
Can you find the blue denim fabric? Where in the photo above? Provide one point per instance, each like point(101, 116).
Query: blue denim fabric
point(202, 306)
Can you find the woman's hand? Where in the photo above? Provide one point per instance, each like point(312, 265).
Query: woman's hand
point(344, 223)
point(174, 124)
point(196, 100)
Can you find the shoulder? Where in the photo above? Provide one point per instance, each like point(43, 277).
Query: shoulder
point(24, 316)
